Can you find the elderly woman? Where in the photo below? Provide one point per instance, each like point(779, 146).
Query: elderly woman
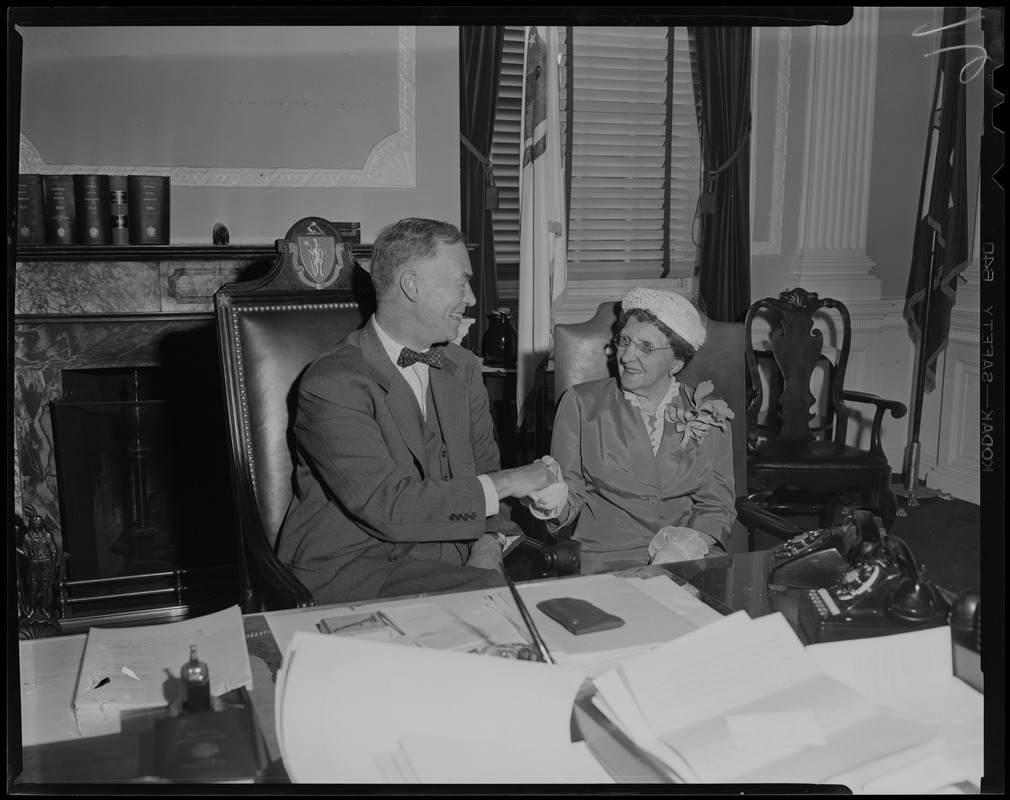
point(645, 462)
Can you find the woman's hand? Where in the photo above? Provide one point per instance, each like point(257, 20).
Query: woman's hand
point(550, 501)
point(673, 544)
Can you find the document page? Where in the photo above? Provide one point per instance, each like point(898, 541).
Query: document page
point(911, 676)
point(435, 759)
point(344, 705)
point(139, 667)
point(741, 700)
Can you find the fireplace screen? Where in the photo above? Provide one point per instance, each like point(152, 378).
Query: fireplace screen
point(144, 501)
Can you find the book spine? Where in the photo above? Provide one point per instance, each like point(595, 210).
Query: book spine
point(60, 209)
point(350, 232)
point(148, 197)
point(31, 210)
point(94, 209)
point(119, 209)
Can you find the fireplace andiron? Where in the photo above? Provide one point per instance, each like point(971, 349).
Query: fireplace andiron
point(40, 567)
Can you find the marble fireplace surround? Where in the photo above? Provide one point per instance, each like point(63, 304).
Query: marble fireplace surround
point(93, 308)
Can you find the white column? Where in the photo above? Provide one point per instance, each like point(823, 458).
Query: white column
point(831, 258)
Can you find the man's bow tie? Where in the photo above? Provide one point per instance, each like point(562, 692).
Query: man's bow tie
point(433, 357)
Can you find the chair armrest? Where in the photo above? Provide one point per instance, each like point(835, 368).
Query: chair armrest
point(897, 409)
point(278, 587)
point(754, 517)
point(561, 558)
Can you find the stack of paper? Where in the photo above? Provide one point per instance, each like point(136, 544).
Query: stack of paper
point(741, 701)
point(357, 711)
point(126, 669)
point(910, 676)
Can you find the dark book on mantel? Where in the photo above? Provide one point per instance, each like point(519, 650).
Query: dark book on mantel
point(94, 209)
point(119, 209)
point(31, 210)
point(350, 232)
point(60, 209)
point(148, 197)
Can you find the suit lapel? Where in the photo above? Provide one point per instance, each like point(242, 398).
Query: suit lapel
point(399, 397)
point(636, 439)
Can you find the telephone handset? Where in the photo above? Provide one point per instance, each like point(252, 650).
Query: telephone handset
point(882, 595)
point(820, 557)
point(966, 619)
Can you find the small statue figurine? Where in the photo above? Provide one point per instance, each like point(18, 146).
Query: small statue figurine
point(220, 233)
point(39, 565)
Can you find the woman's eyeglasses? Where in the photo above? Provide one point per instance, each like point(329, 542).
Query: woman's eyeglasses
point(645, 348)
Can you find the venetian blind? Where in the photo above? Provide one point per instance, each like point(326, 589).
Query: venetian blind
point(505, 148)
point(635, 153)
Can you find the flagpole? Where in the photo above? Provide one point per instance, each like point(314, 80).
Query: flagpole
point(911, 489)
point(945, 73)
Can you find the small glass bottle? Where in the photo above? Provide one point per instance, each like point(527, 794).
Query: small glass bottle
point(195, 684)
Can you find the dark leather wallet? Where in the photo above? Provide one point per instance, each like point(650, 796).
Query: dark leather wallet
point(579, 616)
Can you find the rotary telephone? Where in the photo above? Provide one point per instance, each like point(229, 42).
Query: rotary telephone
point(820, 557)
point(883, 594)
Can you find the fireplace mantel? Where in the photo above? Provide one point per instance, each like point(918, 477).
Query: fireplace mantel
point(97, 281)
point(90, 307)
point(119, 307)
point(98, 307)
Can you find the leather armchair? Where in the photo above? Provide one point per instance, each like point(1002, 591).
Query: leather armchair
point(269, 330)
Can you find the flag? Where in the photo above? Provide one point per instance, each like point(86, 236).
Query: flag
point(941, 227)
point(543, 223)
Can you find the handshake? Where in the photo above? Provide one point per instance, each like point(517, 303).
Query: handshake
point(538, 485)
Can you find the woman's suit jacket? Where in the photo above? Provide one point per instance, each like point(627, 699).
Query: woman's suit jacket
point(622, 494)
point(363, 497)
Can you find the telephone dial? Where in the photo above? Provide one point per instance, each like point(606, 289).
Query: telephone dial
point(820, 557)
point(884, 594)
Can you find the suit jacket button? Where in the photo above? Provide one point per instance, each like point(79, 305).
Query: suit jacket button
point(653, 501)
point(391, 558)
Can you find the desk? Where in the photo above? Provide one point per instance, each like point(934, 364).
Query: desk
point(49, 667)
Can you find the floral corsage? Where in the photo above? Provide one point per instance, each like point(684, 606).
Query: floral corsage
point(704, 412)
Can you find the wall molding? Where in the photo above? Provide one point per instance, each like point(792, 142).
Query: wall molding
point(391, 162)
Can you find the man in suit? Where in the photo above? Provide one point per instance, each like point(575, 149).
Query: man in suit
point(398, 479)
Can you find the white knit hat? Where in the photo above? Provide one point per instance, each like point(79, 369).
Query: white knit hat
point(675, 311)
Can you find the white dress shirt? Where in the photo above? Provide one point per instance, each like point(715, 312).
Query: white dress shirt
point(417, 378)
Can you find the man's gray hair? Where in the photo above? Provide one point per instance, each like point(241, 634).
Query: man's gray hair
point(403, 242)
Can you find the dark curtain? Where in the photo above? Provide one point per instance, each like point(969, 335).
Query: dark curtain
point(480, 56)
point(724, 65)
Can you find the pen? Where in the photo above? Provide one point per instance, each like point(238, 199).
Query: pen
point(538, 641)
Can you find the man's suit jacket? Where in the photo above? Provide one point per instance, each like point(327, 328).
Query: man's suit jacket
point(363, 498)
point(621, 493)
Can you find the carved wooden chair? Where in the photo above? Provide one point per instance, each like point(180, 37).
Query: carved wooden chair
point(798, 460)
point(582, 353)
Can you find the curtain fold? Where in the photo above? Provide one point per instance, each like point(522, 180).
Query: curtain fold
point(480, 56)
point(724, 69)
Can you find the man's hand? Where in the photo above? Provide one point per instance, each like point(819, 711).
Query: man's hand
point(521, 481)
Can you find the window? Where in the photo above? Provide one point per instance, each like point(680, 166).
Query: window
point(634, 153)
